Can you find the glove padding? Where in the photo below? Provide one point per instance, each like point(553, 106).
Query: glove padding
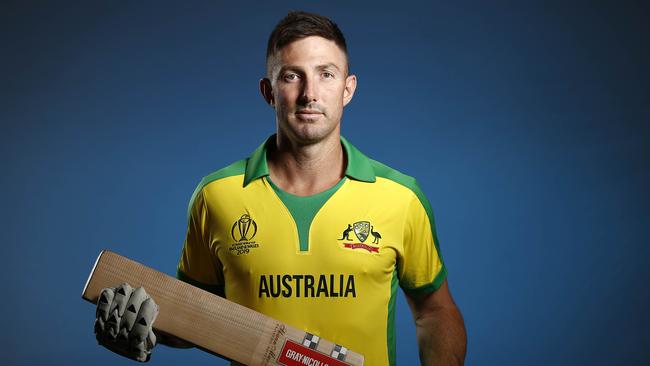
point(124, 321)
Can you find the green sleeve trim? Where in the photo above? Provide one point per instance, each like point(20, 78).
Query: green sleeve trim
point(215, 289)
point(431, 287)
point(236, 168)
point(390, 338)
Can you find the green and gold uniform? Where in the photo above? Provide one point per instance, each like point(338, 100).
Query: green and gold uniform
point(330, 263)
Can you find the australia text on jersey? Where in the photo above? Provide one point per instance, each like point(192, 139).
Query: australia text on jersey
point(306, 285)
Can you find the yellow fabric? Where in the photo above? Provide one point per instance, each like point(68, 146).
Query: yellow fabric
point(245, 239)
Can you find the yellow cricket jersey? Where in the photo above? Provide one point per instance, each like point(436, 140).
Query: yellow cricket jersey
point(330, 263)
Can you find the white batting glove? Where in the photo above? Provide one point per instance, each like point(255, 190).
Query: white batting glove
point(124, 319)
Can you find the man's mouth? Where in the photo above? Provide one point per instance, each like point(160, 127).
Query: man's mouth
point(308, 114)
point(309, 111)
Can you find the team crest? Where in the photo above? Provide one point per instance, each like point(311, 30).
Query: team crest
point(361, 230)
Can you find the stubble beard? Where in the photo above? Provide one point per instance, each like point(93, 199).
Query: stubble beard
point(305, 132)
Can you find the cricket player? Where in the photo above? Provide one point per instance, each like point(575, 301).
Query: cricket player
point(308, 229)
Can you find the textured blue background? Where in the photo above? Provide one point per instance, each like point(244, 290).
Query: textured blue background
point(527, 126)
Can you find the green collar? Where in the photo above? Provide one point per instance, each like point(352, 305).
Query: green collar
point(358, 168)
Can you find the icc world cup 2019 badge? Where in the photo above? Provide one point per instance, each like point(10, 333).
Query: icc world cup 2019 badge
point(242, 232)
point(243, 227)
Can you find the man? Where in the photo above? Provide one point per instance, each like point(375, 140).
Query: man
point(265, 231)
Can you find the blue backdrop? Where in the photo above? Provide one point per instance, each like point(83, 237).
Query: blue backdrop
point(527, 125)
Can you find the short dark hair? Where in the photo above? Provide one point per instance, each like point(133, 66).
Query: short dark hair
point(300, 24)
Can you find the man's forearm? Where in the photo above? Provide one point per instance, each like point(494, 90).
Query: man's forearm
point(442, 339)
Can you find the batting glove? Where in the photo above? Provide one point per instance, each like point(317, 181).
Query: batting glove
point(124, 321)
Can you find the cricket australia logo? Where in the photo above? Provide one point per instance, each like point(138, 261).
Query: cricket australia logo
point(242, 232)
point(361, 229)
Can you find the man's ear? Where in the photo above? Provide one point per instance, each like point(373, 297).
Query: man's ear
point(267, 91)
point(350, 87)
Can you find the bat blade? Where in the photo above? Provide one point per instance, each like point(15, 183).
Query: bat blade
point(215, 324)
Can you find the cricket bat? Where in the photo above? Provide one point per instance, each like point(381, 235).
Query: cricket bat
point(215, 324)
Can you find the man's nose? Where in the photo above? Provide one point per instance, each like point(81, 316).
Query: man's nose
point(309, 94)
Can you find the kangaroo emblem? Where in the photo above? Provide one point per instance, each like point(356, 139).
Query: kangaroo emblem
point(375, 234)
point(346, 233)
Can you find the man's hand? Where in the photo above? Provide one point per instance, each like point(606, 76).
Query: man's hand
point(124, 319)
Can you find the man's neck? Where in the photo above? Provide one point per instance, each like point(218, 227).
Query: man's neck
point(305, 170)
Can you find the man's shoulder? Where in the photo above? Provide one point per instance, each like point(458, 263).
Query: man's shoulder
point(234, 169)
point(409, 183)
point(386, 172)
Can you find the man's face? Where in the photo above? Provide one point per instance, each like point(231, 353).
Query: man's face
point(309, 86)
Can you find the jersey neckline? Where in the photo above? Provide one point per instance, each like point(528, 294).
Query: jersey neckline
point(303, 209)
point(358, 165)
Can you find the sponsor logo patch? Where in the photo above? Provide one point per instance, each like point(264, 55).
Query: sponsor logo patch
point(295, 354)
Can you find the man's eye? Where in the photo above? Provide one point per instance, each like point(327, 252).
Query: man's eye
point(328, 75)
point(290, 77)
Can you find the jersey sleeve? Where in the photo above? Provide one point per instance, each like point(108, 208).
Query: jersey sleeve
point(198, 264)
point(420, 266)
